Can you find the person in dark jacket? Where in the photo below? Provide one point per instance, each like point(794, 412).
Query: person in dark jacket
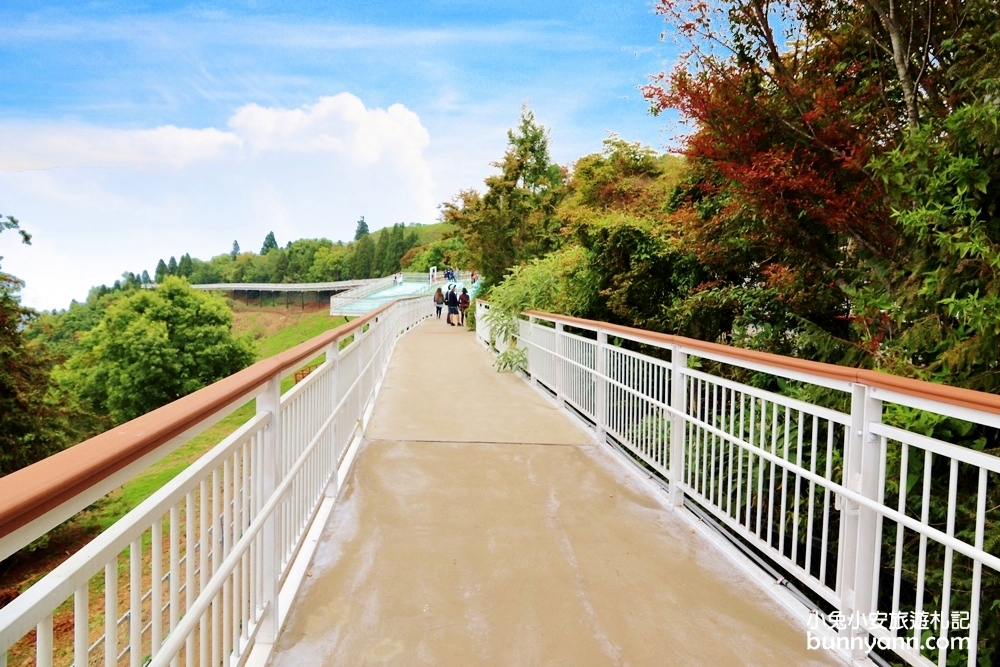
point(463, 303)
point(452, 302)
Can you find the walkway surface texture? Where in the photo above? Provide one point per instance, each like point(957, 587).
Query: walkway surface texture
point(480, 526)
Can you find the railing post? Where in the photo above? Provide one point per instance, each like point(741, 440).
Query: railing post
point(269, 401)
point(858, 542)
point(359, 337)
point(531, 351)
point(678, 401)
point(333, 356)
point(601, 386)
point(557, 356)
point(868, 541)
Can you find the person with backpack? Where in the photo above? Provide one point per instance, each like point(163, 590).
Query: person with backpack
point(438, 301)
point(463, 303)
point(452, 301)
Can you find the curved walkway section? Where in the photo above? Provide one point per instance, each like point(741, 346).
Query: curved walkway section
point(480, 526)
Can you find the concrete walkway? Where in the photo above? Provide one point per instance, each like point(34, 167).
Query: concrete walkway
point(480, 526)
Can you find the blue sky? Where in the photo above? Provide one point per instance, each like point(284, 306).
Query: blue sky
point(130, 132)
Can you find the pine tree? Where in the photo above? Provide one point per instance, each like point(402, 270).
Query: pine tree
point(269, 243)
point(412, 241)
point(362, 229)
point(397, 248)
point(161, 271)
point(186, 267)
point(235, 251)
point(145, 278)
point(172, 266)
point(364, 254)
point(382, 260)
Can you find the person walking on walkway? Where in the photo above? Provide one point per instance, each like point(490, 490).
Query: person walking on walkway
point(438, 301)
point(452, 301)
point(463, 303)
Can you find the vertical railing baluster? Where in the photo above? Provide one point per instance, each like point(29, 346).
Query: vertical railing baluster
point(81, 625)
point(925, 505)
point(601, 386)
point(135, 604)
point(760, 466)
point(43, 643)
point(190, 540)
point(269, 401)
point(825, 537)
point(561, 367)
point(204, 516)
point(948, 558)
point(783, 516)
point(156, 586)
point(217, 557)
point(175, 572)
point(977, 570)
point(111, 613)
point(678, 401)
point(810, 512)
point(771, 472)
point(739, 463)
point(227, 545)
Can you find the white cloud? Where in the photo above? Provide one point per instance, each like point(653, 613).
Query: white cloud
point(338, 124)
point(100, 201)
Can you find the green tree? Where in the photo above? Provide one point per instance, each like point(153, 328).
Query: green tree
point(362, 229)
point(446, 251)
point(33, 424)
point(515, 220)
point(145, 277)
point(161, 271)
point(172, 266)
point(329, 264)
point(382, 260)
point(362, 262)
point(154, 346)
point(397, 248)
point(269, 244)
point(185, 267)
point(235, 251)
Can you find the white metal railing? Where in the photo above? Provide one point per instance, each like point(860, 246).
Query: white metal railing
point(843, 503)
point(203, 569)
point(339, 301)
point(282, 287)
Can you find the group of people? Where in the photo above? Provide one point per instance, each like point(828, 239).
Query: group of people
point(452, 274)
point(457, 304)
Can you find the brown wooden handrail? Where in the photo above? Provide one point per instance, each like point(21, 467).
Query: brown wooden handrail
point(32, 491)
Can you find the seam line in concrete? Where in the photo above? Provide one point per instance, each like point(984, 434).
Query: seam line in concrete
point(480, 442)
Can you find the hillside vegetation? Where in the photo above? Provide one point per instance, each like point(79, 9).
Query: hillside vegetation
point(413, 247)
point(272, 331)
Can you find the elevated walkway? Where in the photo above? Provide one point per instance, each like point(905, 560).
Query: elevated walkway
point(481, 526)
point(376, 294)
point(406, 504)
